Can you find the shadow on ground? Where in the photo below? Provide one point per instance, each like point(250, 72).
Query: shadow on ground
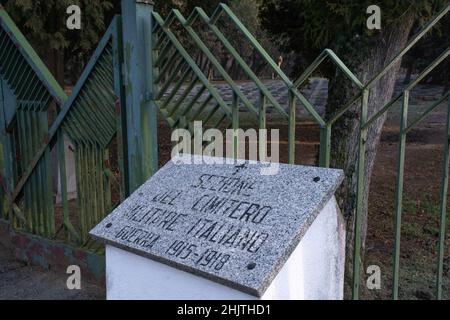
point(19, 281)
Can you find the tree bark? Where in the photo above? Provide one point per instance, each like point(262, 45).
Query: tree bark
point(409, 72)
point(344, 151)
point(54, 60)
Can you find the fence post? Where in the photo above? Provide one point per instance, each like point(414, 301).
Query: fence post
point(443, 208)
point(360, 194)
point(140, 109)
point(399, 194)
point(5, 159)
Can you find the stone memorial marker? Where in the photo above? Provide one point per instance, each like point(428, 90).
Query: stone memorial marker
point(224, 222)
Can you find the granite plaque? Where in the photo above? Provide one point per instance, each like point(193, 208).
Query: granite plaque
point(226, 222)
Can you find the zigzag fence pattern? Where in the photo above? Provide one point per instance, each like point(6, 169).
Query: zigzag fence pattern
point(114, 150)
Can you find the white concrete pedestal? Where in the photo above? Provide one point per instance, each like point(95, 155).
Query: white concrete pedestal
point(315, 270)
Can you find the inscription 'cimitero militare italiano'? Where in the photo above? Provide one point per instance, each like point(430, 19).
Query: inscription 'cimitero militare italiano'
point(225, 222)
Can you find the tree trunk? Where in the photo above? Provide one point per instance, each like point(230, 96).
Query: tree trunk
point(54, 60)
point(344, 152)
point(409, 72)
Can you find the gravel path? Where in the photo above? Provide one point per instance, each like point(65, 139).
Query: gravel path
point(317, 94)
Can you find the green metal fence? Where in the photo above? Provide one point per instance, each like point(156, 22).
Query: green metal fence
point(141, 68)
point(36, 116)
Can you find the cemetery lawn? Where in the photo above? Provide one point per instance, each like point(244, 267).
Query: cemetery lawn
point(420, 226)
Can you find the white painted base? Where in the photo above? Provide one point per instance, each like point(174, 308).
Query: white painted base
point(315, 270)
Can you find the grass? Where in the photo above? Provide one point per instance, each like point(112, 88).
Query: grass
point(418, 256)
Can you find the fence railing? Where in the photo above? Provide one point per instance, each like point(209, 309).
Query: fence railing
point(29, 94)
point(36, 118)
point(365, 122)
point(107, 129)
